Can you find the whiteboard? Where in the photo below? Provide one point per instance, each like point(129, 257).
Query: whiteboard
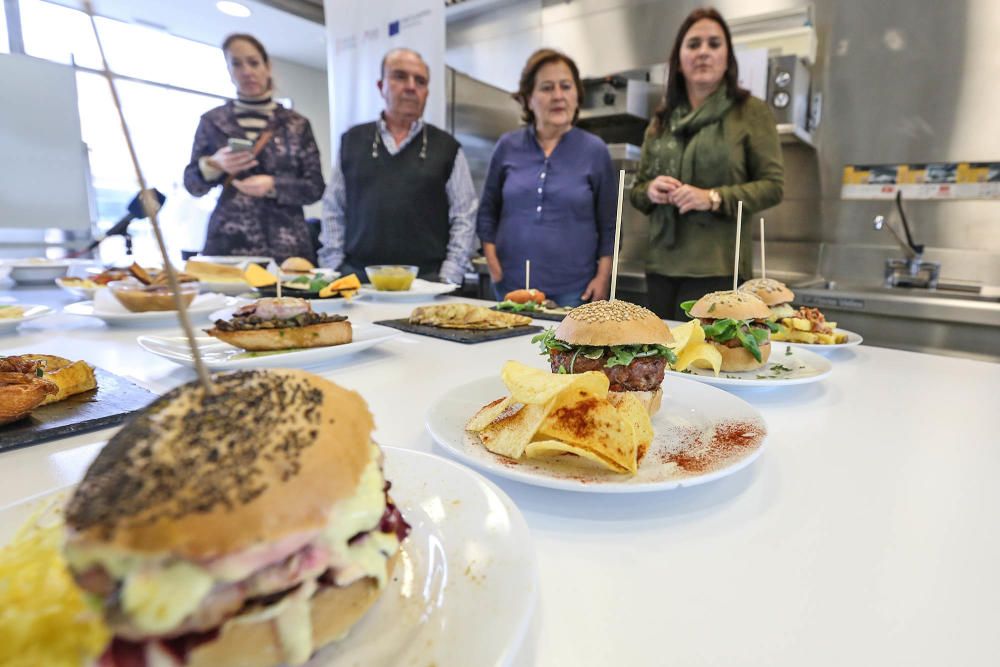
point(43, 160)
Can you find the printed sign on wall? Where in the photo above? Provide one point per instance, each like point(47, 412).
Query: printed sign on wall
point(359, 33)
point(937, 180)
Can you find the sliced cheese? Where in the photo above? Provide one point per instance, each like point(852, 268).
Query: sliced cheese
point(259, 277)
point(211, 272)
point(347, 286)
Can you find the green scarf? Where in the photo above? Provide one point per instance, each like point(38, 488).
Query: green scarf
point(695, 152)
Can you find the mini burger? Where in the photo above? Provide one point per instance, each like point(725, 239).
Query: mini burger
point(281, 324)
point(775, 294)
point(624, 341)
point(525, 296)
point(297, 265)
point(249, 526)
point(738, 324)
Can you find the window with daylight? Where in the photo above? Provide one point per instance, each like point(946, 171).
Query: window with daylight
point(165, 83)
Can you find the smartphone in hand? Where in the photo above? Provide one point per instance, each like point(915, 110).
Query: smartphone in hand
point(240, 145)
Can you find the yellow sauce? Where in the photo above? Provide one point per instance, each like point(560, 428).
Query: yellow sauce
point(392, 279)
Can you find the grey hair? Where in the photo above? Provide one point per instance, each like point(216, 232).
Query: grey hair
point(402, 49)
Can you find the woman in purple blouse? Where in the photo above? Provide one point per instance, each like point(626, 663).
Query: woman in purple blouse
point(550, 194)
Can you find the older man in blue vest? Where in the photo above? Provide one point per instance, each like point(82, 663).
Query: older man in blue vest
point(401, 191)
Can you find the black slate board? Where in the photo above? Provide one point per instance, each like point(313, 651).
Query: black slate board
point(553, 317)
point(459, 335)
point(111, 403)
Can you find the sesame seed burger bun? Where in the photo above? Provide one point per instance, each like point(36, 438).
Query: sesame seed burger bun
point(772, 292)
point(731, 304)
point(613, 323)
point(333, 611)
point(265, 456)
point(736, 359)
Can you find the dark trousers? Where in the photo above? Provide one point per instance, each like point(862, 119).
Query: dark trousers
point(667, 293)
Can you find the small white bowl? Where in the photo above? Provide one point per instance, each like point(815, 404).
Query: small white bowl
point(38, 271)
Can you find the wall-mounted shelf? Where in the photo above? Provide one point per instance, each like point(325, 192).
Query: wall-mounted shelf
point(791, 134)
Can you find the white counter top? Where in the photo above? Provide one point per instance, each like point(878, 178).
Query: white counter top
point(865, 534)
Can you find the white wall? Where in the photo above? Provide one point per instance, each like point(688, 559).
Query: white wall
point(307, 87)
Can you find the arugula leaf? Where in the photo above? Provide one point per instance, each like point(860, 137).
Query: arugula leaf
point(515, 307)
point(749, 341)
point(547, 342)
point(686, 306)
point(300, 279)
point(619, 355)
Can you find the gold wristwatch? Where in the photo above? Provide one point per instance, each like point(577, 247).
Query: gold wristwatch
point(715, 198)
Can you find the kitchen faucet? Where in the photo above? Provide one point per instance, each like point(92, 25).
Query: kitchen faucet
point(911, 271)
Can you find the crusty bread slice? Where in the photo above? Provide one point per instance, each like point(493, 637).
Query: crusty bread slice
point(287, 338)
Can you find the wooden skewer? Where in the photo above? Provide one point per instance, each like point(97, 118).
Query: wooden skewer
point(150, 207)
point(278, 284)
point(618, 235)
point(739, 227)
point(763, 260)
point(527, 274)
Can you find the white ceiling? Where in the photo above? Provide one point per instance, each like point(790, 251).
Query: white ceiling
point(285, 36)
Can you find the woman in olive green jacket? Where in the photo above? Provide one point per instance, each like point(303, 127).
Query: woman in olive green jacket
point(709, 146)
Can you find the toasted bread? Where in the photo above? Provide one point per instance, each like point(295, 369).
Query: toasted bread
point(287, 338)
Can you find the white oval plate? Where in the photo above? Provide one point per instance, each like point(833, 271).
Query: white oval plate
point(852, 340)
point(31, 312)
point(228, 288)
point(223, 357)
point(684, 451)
point(164, 318)
point(76, 290)
point(420, 290)
point(464, 587)
point(785, 367)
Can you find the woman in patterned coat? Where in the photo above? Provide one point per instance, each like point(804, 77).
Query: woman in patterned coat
point(260, 209)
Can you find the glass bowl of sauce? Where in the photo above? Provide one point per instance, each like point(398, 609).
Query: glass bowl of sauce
point(391, 277)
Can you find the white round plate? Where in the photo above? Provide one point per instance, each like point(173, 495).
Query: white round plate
point(464, 586)
point(76, 290)
point(785, 367)
point(223, 357)
point(162, 318)
point(31, 312)
point(693, 441)
point(852, 340)
point(420, 290)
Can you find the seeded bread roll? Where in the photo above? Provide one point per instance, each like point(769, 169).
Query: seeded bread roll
point(613, 323)
point(266, 455)
point(731, 304)
point(772, 292)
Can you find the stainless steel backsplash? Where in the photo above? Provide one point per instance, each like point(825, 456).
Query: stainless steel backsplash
point(902, 81)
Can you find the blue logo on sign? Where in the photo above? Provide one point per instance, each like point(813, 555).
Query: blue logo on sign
point(393, 28)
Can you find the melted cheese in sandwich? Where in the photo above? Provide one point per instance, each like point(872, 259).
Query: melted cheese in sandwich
point(159, 593)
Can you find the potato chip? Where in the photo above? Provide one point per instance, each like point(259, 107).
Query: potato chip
point(547, 448)
point(512, 429)
point(695, 351)
point(682, 333)
point(594, 424)
point(535, 386)
point(487, 413)
point(634, 412)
